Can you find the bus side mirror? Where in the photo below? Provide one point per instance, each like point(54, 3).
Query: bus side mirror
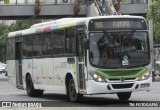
point(86, 43)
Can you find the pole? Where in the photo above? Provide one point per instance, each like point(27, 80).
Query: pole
point(150, 24)
point(151, 40)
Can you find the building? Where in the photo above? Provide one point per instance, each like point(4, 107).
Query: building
point(134, 7)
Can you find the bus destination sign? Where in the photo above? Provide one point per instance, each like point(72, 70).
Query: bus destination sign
point(117, 24)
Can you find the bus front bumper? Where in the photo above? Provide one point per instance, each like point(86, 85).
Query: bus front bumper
point(94, 87)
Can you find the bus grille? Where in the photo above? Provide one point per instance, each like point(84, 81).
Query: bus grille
point(122, 73)
point(122, 86)
point(118, 79)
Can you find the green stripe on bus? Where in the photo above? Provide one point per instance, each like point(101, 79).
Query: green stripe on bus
point(118, 73)
point(74, 68)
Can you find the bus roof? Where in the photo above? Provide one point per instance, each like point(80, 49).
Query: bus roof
point(51, 25)
point(62, 23)
point(63, 20)
point(15, 33)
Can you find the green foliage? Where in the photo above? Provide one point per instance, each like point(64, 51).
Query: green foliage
point(4, 30)
point(154, 14)
point(6, 1)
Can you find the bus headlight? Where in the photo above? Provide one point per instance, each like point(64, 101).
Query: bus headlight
point(145, 76)
point(97, 77)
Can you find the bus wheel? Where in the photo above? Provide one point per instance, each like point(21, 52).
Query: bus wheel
point(38, 93)
point(30, 89)
point(73, 95)
point(124, 95)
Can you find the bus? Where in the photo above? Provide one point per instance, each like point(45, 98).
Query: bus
point(156, 61)
point(82, 56)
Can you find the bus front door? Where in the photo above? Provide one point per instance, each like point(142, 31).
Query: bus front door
point(18, 56)
point(80, 52)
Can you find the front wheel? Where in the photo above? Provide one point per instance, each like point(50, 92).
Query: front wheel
point(30, 88)
point(73, 95)
point(124, 95)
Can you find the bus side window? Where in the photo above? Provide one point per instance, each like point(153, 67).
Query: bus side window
point(70, 41)
point(47, 44)
point(10, 49)
point(27, 46)
point(58, 42)
point(37, 45)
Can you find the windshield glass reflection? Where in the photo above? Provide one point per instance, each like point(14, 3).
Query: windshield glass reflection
point(119, 49)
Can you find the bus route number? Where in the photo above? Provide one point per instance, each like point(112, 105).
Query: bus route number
point(121, 24)
point(99, 25)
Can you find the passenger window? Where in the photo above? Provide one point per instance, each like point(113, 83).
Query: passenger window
point(47, 44)
point(58, 42)
point(70, 41)
point(37, 45)
point(27, 46)
point(10, 49)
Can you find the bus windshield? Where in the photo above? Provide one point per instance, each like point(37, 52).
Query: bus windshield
point(119, 49)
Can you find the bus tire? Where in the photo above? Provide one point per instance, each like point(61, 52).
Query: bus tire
point(124, 95)
point(72, 94)
point(30, 88)
point(38, 93)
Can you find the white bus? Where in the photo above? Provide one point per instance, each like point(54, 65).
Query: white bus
point(82, 56)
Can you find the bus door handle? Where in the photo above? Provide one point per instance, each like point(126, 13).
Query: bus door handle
point(70, 60)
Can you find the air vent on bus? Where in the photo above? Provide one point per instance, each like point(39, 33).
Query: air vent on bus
point(120, 79)
point(122, 86)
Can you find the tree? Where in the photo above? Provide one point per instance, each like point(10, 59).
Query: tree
point(5, 1)
point(4, 30)
point(154, 14)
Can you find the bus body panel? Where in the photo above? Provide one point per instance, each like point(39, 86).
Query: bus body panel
point(11, 70)
point(42, 72)
point(61, 69)
point(49, 73)
point(101, 88)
